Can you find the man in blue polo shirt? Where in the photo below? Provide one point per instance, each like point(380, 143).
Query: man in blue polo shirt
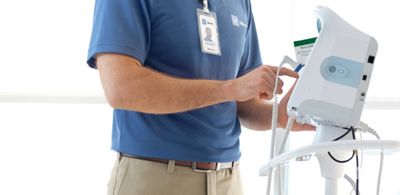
point(178, 94)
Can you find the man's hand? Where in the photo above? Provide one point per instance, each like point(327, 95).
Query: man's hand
point(260, 83)
point(283, 115)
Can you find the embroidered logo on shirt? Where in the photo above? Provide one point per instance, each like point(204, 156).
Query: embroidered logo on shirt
point(237, 22)
point(243, 24)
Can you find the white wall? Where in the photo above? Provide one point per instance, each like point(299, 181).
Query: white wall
point(43, 46)
point(55, 149)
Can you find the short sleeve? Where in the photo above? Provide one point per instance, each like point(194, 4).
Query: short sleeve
point(120, 26)
point(251, 57)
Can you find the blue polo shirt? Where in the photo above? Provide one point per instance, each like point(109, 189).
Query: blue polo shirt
point(163, 35)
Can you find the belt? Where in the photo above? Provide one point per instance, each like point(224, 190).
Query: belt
point(196, 166)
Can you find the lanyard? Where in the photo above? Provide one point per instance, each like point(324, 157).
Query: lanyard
point(205, 6)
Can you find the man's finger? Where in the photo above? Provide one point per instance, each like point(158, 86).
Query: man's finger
point(284, 71)
point(288, 72)
point(265, 96)
point(280, 83)
point(302, 127)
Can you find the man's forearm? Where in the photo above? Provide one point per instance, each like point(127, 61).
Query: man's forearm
point(128, 85)
point(255, 114)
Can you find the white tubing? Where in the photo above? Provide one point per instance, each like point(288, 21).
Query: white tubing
point(274, 122)
point(289, 125)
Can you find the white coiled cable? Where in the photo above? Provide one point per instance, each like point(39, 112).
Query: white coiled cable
point(274, 119)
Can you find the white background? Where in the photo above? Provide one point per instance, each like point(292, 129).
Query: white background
point(62, 147)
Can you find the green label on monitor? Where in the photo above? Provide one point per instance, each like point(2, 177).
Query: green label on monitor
point(303, 49)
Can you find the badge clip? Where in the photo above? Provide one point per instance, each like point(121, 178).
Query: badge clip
point(205, 6)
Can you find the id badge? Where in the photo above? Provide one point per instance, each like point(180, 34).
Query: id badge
point(208, 32)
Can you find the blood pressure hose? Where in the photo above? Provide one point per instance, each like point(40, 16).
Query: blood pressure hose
point(274, 120)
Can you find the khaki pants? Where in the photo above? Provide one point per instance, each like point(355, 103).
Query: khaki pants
point(132, 176)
